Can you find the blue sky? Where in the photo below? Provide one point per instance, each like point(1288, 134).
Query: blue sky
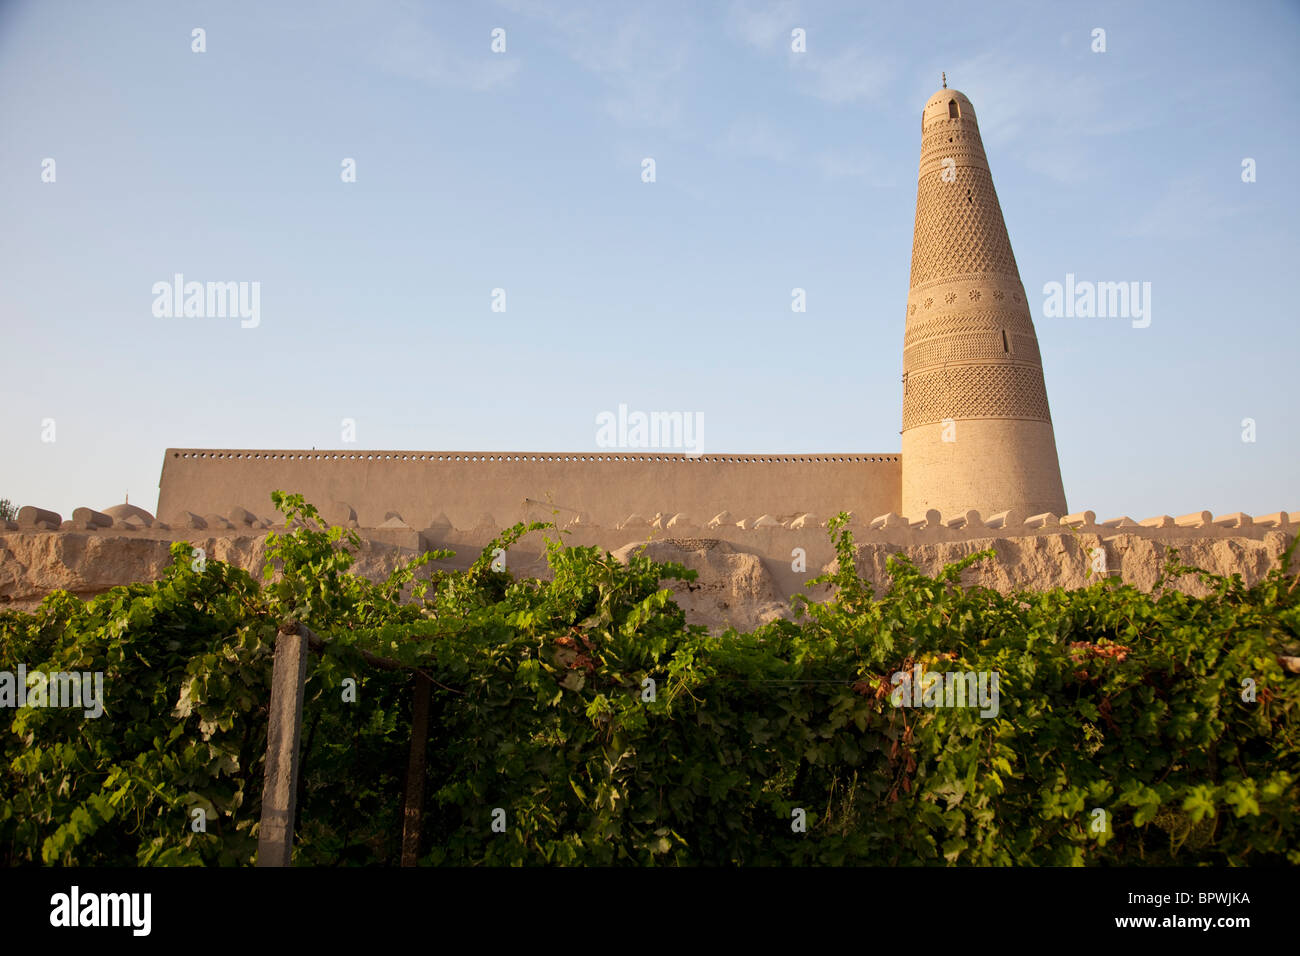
point(522, 170)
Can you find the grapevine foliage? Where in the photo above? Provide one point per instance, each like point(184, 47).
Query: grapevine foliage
point(1133, 728)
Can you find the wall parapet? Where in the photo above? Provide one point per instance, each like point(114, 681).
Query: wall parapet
point(511, 456)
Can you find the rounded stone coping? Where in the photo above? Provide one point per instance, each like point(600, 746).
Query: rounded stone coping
point(889, 528)
point(933, 524)
point(511, 457)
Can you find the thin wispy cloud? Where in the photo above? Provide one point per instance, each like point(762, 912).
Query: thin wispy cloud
point(1054, 116)
point(826, 70)
point(847, 76)
point(758, 138)
point(764, 26)
point(638, 55)
point(1190, 208)
point(410, 46)
point(834, 164)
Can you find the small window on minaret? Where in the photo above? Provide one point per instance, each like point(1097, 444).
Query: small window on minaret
point(952, 110)
point(1004, 341)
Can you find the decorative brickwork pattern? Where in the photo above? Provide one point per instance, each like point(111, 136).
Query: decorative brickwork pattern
point(950, 323)
point(953, 236)
point(969, 347)
point(963, 279)
point(944, 142)
point(975, 391)
point(1024, 348)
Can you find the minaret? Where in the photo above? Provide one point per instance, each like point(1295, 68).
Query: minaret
point(977, 433)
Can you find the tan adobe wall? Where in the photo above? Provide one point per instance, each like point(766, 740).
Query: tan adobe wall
point(605, 488)
point(990, 460)
point(746, 574)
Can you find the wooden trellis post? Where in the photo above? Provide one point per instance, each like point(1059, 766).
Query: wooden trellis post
point(293, 643)
point(283, 734)
point(413, 804)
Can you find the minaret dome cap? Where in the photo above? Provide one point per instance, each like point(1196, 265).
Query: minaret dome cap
point(942, 104)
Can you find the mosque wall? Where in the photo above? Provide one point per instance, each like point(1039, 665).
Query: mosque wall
point(468, 488)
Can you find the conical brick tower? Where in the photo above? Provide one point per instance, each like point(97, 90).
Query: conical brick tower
point(977, 432)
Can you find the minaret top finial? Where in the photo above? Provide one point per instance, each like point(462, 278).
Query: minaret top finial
point(945, 80)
